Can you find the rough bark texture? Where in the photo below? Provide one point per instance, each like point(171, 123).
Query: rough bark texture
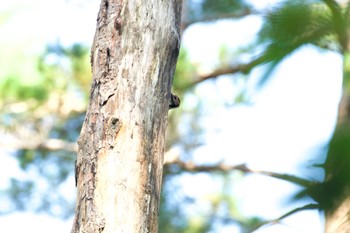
point(121, 145)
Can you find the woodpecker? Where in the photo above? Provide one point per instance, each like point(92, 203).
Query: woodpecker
point(174, 101)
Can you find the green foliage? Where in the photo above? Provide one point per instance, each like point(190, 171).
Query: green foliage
point(67, 68)
point(324, 24)
point(295, 22)
point(53, 169)
point(13, 89)
point(336, 186)
point(250, 225)
point(222, 7)
point(45, 114)
point(346, 72)
point(291, 25)
point(209, 10)
point(18, 190)
point(21, 84)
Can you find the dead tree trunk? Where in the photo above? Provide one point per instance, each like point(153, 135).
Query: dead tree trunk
point(121, 145)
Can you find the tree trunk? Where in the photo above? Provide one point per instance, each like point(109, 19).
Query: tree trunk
point(337, 221)
point(120, 157)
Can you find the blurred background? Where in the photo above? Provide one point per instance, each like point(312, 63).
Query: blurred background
point(260, 82)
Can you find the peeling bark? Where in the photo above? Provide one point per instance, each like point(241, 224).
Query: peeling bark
point(121, 145)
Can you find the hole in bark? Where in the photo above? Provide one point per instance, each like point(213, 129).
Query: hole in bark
point(106, 4)
point(114, 121)
point(118, 25)
point(108, 57)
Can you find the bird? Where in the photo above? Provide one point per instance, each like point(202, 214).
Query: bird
point(174, 101)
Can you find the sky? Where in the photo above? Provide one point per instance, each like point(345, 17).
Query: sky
point(287, 121)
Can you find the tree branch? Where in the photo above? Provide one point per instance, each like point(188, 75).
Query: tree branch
point(191, 167)
point(339, 21)
point(234, 15)
point(241, 68)
point(311, 206)
point(173, 158)
point(333, 6)
point(218, 72)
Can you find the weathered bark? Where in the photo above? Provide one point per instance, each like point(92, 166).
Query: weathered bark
point(121, 145)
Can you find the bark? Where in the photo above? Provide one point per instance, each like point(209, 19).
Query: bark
point(121, 145)
point(337, 221)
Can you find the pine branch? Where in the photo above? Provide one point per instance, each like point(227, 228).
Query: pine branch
point(333, 6)
point(311, 206)
point(339, 21)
